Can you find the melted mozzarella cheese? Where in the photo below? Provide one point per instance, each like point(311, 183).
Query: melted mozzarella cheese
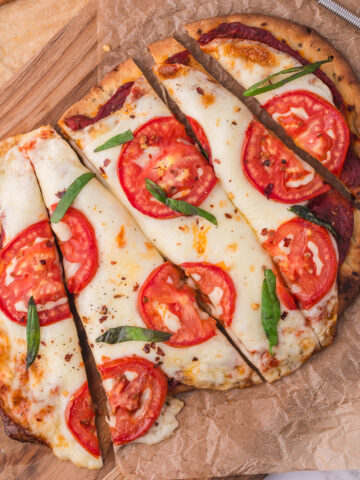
point(231, 244)
point(166, 424)
point(58, 370)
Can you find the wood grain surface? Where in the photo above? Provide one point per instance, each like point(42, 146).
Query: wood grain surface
point(60, 74)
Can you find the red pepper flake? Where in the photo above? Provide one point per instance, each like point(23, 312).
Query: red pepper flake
point(68, 357)
point(49, 243)
point(103, 318)
point(145, 299)
point(160, 352)
point(264, 232)
point(200, 91)
point(43, 343)
point(195, 359)
point(152, 345)
point(216, 160)
point(106, 162)
point(104, 309)
point(227, 215)
point(283, 315)
point(43, 262)
point(146, 348)
point(118, 296)
point(113, 262)
point(135, 287)
point(61, 193)
point(268, 189)
point(287, 241)
point(102, 171)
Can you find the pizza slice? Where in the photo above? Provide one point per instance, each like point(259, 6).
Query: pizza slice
point(44, 394)
point(128, 136)
point(319, 111)
point(112, 269)
point(306, 253)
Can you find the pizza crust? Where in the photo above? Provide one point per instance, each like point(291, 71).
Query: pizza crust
point(314, 47)
point(89, 105)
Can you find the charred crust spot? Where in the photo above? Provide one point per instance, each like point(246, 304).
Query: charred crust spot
point(309, 30)
point(263, 24)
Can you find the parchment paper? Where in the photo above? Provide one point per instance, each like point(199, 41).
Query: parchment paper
point(310, 420)
point(25, 27)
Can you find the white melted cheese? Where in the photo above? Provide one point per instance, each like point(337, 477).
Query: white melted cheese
point(165, 425)
point(231, 244)
point(58, 370)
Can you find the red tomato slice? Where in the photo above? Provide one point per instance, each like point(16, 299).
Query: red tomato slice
point(165, 292)
point(201, 136)
point(163, 152)
point(283, 293)
point(29, 266)
point(314, 124)
point(275, 171)
point(80, 248)
point(136, 402)
point(306, 258)
point(212, 280)
point(80, 419)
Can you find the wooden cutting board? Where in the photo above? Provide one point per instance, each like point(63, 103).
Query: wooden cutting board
point(60, 74)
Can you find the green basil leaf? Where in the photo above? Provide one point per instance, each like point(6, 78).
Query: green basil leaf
point(126, 334)
point(270, 308)
point(179, 206)
point(32, 333)
point(71, 193)
point(257, 88)
point(306, 214)
point(116, 140)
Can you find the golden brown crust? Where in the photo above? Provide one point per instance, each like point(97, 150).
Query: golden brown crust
point(168, 47)
point(126, 71)
point(16, 431)
point(313, 47)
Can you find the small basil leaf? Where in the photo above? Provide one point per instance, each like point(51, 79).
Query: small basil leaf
point(71, 193)
point(116, 140)
point(270, 308)
point(257, 88)
point(306, 214)
point(126, 334)
point(179, 206)
point(32, 333)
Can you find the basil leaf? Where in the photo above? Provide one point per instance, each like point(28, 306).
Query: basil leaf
point(116, 140)
point(270, 308)
point(306, 214)
point(257, 88)
point(177, 205)
point(32, 333)
point(126, 334)
point(71, 193)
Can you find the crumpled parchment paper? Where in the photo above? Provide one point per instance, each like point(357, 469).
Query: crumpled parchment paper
point(309, 420)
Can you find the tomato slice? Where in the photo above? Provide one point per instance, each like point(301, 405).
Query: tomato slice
point(136, 398)
point(80, 419)
point(29, 266)
point(201, 137)
point(283, 293)
point(218, 287)
point(80, 248)
point(314, 124)
point(163, 152)
point(306, 257)
point(166, 303)
point(275, 171)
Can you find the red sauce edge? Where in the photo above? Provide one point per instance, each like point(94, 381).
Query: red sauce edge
point(180, 57)
point(112, 105)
